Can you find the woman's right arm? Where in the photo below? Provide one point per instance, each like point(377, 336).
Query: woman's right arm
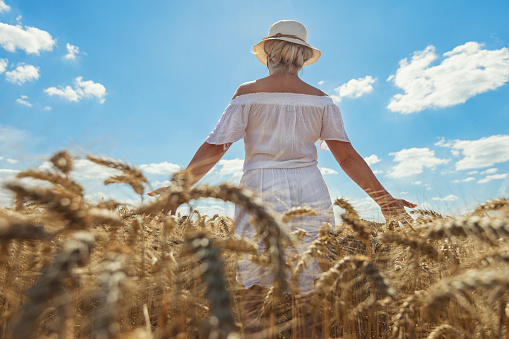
point(359, 171)
point(205, 158)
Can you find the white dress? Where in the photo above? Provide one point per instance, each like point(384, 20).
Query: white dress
point(280, 131)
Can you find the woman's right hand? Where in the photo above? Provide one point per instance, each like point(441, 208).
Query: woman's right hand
point(158, 191)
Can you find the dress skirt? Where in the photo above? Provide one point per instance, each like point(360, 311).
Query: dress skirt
point(282, 189)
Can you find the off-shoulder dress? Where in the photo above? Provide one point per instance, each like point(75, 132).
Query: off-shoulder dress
point(280, 131)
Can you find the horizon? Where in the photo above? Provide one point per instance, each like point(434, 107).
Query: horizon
point(422, 88)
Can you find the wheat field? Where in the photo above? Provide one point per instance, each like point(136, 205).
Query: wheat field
point(71, 269)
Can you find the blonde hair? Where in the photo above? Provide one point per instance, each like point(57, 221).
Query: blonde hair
point(284, 54)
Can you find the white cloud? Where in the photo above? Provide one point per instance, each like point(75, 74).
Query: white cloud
point(484, 152)
point(32, 40)
point(72, 52)
point(82, 89)
point(469, 179)
point(372, 159)
point(4, 7)
point(11, 161)
point(417, 182)
point(490, 171)
point(412, 161)
point(3, 65)
point(472, 172)
point(233, 167)
point(492, 177)
point(326, 170)
point(6, 175)
point(163, 168)
point(450, 197)
point(377, 172)
point(67, 93)
point(464, 72)
point(85, 169)
point(47, 108)
point(354, 88)
point(22, 74)
point(321, 82)
point(23, 101)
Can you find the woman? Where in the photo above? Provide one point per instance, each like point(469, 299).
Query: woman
point(280, 118)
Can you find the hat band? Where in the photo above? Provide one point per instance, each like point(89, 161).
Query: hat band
point(279, 35)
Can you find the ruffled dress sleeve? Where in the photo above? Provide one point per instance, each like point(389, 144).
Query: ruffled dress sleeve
point(231, 126)
point(332, 126)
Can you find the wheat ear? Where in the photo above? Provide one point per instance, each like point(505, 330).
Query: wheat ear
point(415, 243)
point(351, 218)
point(271, 231)
point(130, 174)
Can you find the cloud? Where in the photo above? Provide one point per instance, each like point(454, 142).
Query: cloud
point(417, 182)
point(3, 65)
point(469, 179)
point(233, 167)
point(412, 161)
point(492, 177)
point(163, 168)
point(372, 159)
point(4, 7)
point(354, 88)
point(82, 89)
point(321, 82)
point(22, 74)
point(85, 169)
point(464, 72)
point(490, 171)
point(32, 40)
point(450, 197)
point(47, 108)
point(72, 52)
point(11, 161)
point(22, 100)
point(6, 175)
point(484, 152)
point(326, 170)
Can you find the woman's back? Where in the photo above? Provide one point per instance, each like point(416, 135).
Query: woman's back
point(279, 129)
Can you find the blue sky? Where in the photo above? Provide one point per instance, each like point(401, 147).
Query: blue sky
point(422, 87)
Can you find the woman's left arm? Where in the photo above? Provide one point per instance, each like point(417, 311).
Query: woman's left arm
point(359, 171)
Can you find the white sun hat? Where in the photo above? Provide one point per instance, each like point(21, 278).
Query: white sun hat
point(287, 30)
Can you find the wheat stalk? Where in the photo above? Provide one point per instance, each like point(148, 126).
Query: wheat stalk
point(110, 278)
point(75, 253)
point(222, 319)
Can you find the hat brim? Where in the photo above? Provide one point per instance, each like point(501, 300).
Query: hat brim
point(262, 56)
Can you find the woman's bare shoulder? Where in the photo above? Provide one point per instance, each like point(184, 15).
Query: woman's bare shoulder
point(247, 88)
point(266, 85)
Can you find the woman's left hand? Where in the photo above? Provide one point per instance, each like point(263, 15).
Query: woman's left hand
point(394, 209)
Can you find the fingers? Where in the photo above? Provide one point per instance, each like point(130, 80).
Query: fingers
point(407, 204)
